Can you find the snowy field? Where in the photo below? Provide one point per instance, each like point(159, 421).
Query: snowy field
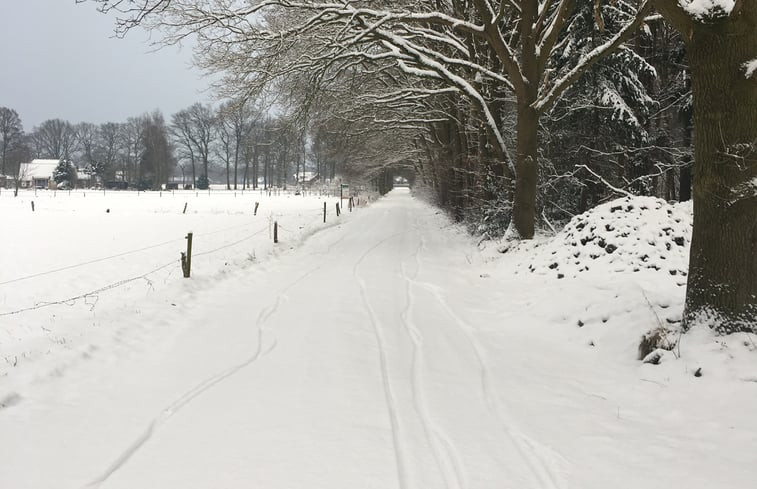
point(381, 350)
point(83, 259)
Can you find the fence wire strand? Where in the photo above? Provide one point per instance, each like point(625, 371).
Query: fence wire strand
point(120, 283)
point(91, 293)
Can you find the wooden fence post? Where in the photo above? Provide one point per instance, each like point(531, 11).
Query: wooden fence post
point(275, 231)
point(32, 206)
point(324, 212)
point(255, 212)
point(186, 258)
point(185, 208)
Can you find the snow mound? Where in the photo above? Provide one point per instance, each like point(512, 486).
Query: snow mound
point(626, 235)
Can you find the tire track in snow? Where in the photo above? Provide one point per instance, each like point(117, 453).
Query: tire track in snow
point(444, 451)
point(524, 445)
point(263, 317)
point(400, 451)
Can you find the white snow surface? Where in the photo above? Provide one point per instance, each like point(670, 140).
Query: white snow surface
point(381, 350)
point(750, 68)
point(702, 9)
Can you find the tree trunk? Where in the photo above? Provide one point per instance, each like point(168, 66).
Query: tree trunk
point(526, 162)
point(255, 169)
point(236, 162)
point(266, 165)
point(194, 173)
point(722, 282)
point(684, 183)
point(526, 172)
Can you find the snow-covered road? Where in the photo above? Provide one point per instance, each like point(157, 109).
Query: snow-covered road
point(377, 355)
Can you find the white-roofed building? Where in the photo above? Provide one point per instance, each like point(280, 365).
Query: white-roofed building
point(38, 173)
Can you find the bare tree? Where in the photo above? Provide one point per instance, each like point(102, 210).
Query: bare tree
point(132, 147)
point(184, 136)
point(109, 147)
point(56, 139)
point(194, 130)
point(157, 162)
point(233, 127)
point(88, 147)
point(11, 135)
point(203, 122)
point(16, 157)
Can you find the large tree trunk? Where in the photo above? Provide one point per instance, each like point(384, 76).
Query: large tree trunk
point(526, 162)
point(526, 172)
point(722, 283)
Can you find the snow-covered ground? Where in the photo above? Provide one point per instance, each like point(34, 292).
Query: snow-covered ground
point(82, 260)
point(379, 350)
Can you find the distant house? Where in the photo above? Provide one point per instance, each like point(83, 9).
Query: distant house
point(38, 174)
point(84, 179)
point(307, 178)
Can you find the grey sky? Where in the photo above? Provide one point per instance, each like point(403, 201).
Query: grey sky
point(60, 60)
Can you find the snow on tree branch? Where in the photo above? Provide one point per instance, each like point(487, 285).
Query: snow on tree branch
point(550, 96)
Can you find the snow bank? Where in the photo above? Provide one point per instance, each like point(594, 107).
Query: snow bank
point(625, 235)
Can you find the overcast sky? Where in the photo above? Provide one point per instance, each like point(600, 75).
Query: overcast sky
point(60, 60)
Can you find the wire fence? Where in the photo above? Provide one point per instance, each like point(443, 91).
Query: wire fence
point(143, 276)
point(92, 293)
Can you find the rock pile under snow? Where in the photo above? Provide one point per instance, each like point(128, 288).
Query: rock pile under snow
point(626, 235)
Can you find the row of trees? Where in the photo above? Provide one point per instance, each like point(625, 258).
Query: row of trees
point(238, 141)
point(138, 149)
point(244, 141)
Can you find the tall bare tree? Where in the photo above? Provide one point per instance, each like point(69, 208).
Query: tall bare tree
point(194, 130)
point(203, 121)
point(183, 134)
point(56, 139)
point(233, 127)
point(11, 136)
point(109, 147)
point(132, 147)
point(157, 162)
